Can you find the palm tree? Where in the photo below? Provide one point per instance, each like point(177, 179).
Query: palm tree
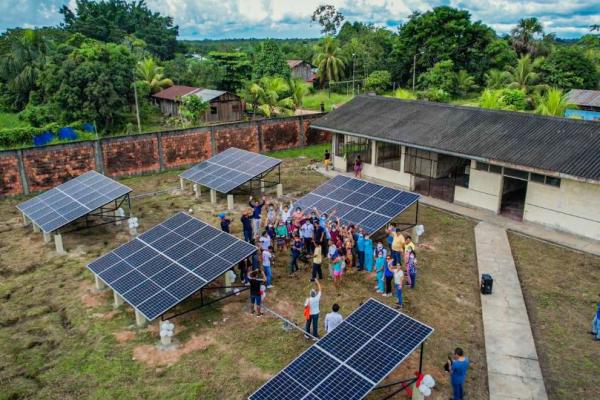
point(252, 93)
point(523, 76)
point(496, 79)
point(464, 82)
point(492, 99)
point(21, 66)
point(329, 60)
point(297, 91)
point(271, 102)
point(147, 70)
point(555, 102)
point(523, 36)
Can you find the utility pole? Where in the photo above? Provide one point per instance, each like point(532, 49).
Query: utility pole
point(137, 109)
point(414, 70)
point(353, 91)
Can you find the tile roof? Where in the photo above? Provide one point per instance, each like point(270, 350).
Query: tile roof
point(588, 98)
point(552, 144)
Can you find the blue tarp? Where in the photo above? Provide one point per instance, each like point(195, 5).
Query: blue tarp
point(583, 114)
point(43, 138)
point(88, 127)
point(67, 133)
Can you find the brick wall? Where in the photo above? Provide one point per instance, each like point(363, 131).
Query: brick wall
point(130, 156)
point(50, 166)
point(181, 149)
point(314, 136)
point(10, 181)
point(280, 134)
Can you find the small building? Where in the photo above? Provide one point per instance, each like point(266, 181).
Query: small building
point(224, 106)
point(587, 102)
point(302, 70)
point(520, 165)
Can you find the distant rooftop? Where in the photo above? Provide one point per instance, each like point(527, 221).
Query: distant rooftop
point(586, 98)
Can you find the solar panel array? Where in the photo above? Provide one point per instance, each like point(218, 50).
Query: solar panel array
point(358, 202)
point(230, 169)
point(65, 203)
point(168, 263)
point(352, 359)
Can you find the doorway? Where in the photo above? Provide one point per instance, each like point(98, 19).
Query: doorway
point(514, 192)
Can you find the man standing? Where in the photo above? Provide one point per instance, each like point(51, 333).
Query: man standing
point(296, 250)
point(458, 373)
point(247, 226)
point(397, 247)
point(256, 213)
point(333, 319)
point(313, 303)
point(319, 235)
point(256, 278)
point(317, 262)
point(267, 258)
point(307, 231)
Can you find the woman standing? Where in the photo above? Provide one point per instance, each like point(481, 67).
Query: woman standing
point(369, 254)
point(379, 267)
point(411, 268)
point(388, 274)
point(358, 167)
point(398, 281)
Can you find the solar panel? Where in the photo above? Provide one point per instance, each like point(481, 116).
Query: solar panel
point(168, 263)
point(65, 203)
point(230, 169)
point(368, 205)
point(350, 361)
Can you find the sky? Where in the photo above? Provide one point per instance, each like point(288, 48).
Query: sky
point(223, 19)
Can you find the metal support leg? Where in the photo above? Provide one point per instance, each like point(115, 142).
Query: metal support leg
point(58, 242)
point(213, 196)
point(230, 204)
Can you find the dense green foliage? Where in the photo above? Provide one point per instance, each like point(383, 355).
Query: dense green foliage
point(236, 69)
point(378, 81)
point(192, 110)
point(111, 20)
point(569, 68)
point(269, 61)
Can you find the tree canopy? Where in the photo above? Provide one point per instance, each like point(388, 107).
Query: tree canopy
point(569, 68)
point(269, 61)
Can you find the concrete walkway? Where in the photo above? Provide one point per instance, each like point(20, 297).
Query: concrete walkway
point(513, 368)
point(537, 231)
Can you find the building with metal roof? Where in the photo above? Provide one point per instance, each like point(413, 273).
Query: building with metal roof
point(587, 102)
point(525, 166)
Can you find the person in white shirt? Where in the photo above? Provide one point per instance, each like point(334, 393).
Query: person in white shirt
point(333, 319)
point(307, 231)
point(265, 241)
point(267, 259)
point(313, 303)
point(398, 282)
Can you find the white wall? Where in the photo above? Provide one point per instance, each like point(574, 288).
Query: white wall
point(573, 207)
point(484, 190)
point(386, 174)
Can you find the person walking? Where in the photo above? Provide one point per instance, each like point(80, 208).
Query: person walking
point(257, 207)
point(379, 268)
point(458, 373)
point(596, 322)
point(333, 319)
point(313, 303)
point(267, 261)
point(388, 275)
point(411, 268)
point(256, 278)
point(247, 226)
point(327, 160)
point(369, 254)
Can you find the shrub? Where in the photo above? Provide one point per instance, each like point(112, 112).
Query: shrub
point(378, 81)
point(437, 95)
point(514, 99)
point(40, 115)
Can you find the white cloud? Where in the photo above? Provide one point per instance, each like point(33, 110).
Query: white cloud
point(291, 18)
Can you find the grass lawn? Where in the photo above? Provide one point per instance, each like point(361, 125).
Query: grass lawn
point(561, 290)
point(11, 120)
point(313, 101)
point(315, 152)
point(59, 338)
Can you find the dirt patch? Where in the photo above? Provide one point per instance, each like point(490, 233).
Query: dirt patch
point(153, 356)
point(124, 336)
point(90, 297)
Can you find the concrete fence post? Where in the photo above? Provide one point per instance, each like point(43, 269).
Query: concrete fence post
point(302, 133)
point(47, 237)
point(22, 172)
point(213, 141)
point(230, 203)
point(118, 300)
point(100, 285)
point(213, 196)
point(98, 156)
point(182, 184)
point(260, 138)
point(161, 156)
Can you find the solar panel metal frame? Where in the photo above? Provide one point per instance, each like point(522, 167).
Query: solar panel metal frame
point(88, 185)
point(341, 188)
point(310, 392)
point(246, 165)
point(118, 257)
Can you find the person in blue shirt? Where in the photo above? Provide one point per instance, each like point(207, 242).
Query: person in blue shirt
point(369, 254)
point(379, 267)
point(596, 322)
point(257, 207)
point(458, 373)
point(296, 251)
point(247, 226)
point(360, 248)
point(225, 222)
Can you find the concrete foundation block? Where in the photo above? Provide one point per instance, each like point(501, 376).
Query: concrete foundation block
point(58, 242)
point(36, 228)
point(140, 320)
point(118, 300)
point(25, 219)
point(262, 186)
point(230, 203)
point(47, 237)
point(99, 283)
point(213, 196)
point(197, 191)
point(279, 190)
point(182, 184)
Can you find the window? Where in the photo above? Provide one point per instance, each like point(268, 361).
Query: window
point(420, 162)
point(213, 110)
point(339, 145)
point(481, 166)
point(537, 178)
point(515, 173)
point(552, 181)
point(496, 169)
point(389, 155)
point(357, 146)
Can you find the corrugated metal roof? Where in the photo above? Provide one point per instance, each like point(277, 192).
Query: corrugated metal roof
point(174, 92)
point(294, 63)
point(588, 98)
point(561, 145)
point(209, 94)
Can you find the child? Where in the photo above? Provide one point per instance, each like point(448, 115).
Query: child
point(225, 222)
point(327, 160)
point(379, 267)
point(388, 275)
point(338, 271)
point(256, 279)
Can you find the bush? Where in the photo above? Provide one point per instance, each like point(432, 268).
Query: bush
point(514, 99)
point(19, 137)
point(437, 95)
point(41, 115)
point(378, 81)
